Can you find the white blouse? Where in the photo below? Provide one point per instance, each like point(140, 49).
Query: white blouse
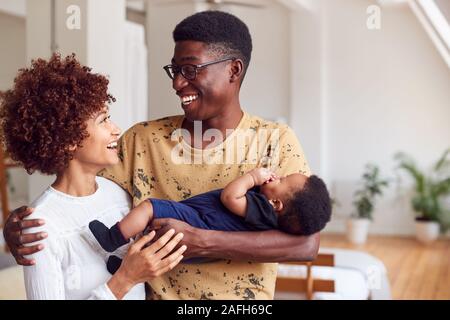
point(70, 266)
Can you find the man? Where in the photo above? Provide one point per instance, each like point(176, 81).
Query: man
point(181, 156)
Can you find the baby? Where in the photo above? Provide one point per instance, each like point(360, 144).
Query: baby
point(258, 200)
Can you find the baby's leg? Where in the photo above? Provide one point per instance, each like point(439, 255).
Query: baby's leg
point(119, 234)
point(136, 220)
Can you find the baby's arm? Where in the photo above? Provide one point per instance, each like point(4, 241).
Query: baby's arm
point(136, 220)
point(233, 195)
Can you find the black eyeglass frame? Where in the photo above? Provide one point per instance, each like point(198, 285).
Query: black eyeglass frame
point(195, 66)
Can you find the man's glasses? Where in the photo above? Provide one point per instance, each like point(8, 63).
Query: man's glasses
point(189, 71)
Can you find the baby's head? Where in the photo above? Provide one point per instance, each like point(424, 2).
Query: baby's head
point(302, 203)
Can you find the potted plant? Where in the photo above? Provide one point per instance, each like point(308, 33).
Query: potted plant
point(364, 202)
point(432, 215)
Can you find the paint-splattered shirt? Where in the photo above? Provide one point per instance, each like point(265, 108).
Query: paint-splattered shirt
point(157, 162)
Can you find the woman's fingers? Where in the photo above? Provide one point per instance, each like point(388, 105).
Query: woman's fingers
point(168, 247)
point(139, 244)
point(171, 261)
point(170, 266)
point(161, 242)
point(174, 256)
point(174, 263)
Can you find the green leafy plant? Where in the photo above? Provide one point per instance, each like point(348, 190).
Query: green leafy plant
point(372, 186)
point(429, 190)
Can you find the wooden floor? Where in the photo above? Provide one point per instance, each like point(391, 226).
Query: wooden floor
point(416, 271)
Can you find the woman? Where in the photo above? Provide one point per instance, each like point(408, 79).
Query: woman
point(55, 120)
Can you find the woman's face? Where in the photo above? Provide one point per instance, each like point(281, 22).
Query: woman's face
point(99, 150)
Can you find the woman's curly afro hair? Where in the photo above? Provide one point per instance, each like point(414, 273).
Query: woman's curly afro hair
point(45, 113)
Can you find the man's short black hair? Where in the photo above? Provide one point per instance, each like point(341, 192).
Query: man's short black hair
point(224, 33)
point(309, 209)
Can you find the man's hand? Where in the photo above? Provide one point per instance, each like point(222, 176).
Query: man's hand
point(190, 238)
point(262, 175)
point(15, 239)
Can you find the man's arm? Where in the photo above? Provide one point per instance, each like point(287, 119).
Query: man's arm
point(260, 246)
point(263, 246)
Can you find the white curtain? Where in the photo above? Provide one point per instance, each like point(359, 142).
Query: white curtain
point(136, 82)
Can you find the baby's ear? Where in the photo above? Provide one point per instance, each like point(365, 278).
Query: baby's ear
point(276, 204)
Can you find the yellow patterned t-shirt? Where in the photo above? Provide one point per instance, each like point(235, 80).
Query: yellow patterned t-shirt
point(157, 162)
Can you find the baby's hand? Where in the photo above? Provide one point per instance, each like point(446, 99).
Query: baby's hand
point(262, 175)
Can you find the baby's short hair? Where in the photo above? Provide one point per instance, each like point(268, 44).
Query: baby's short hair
point(309, 209)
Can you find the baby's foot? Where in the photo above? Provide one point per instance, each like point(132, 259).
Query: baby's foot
point(109, 239)
point(113, 264)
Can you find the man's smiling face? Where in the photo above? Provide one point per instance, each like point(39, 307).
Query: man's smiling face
point(208, 95)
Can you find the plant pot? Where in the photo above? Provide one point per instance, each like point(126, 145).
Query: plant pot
point(427, 231)
point(357, 230)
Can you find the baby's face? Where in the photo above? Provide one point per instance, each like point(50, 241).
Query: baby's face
point(282, 187)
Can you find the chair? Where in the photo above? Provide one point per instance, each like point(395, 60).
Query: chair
point(309, 285)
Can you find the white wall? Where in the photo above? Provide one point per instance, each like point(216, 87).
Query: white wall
point(12, 53)
point(383, 91)
point(161, 20)
point(308, 86)
point(12, 57)
point(265, 91)
point(13, 7)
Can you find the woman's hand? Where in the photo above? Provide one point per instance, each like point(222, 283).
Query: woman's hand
point(15, 238)
point(142, 264)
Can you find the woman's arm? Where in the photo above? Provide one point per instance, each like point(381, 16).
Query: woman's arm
point(260, 246)
point(45, 280)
